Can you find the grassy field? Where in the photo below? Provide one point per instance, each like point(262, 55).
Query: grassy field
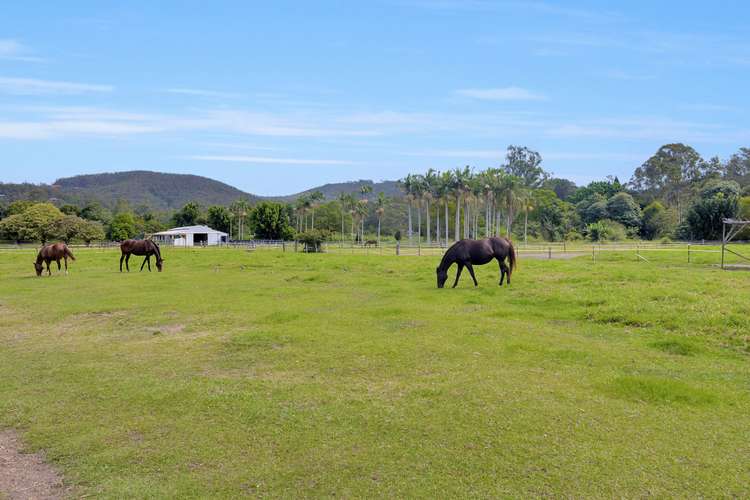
point(277, 374)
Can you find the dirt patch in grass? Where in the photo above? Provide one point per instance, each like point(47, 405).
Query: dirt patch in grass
point(26, 475)
point(167, 329)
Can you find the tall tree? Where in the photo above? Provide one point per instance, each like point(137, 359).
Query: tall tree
point(380, 204)
point(525, 164)
point(669, 173)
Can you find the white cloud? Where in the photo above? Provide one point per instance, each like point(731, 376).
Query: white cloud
point(32, 86)
point(267, 160)
point(502, 94)
point(14, 50)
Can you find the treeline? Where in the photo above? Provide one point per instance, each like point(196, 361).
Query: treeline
point(674, 194)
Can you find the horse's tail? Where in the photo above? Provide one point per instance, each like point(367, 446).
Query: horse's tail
point(511, 257)
point(68, 253)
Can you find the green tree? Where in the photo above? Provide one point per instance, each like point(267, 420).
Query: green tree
point(656, 222)
point(89, 231)
point(94, 211)
point(554, 216)
point(122, 227)
point(738, 167)
point(717, 201)
point(188, 215)
point(669, 173)
point(380, 203)
point(525, 164)
point(218, 218)
point(69, 209)
point(19, 206)
point(269, 221)
point(563, 188)
point(623, 209)
point(34, 224)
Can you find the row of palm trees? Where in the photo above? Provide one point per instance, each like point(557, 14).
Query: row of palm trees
point(499, 194)
point(357, 209)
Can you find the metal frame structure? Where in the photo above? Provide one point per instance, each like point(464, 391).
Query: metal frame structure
point(734, 226)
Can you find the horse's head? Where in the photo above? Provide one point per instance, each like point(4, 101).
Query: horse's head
point(159, 263)
point(38, 267)
point(442, 276)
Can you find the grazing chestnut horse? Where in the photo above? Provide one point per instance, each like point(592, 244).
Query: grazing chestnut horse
point(140, 247)
point(48, 253)
point(468, 252)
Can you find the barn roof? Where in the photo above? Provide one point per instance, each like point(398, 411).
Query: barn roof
point(189, 230)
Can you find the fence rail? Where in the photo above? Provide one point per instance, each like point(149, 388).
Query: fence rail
point(642, 251)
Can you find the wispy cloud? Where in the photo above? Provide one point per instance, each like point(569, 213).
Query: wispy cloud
point(502, 94)
point(203, 93)
point(14, 50)
point(32, 86)
point(261, 160)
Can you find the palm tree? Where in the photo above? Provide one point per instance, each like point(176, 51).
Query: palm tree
point(314, 199)
point(430, 182)
point(418, 190)
point(364, 190)
point(511, 187)
point(446, 183)
point(345, 200)
point(460, 178)
point(407, 184)
point(380, 204)
point(361, 210)
point(527, 198)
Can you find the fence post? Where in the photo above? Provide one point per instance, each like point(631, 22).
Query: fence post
point(549, 252)
point(593, 253)
point(688, 253)
point(398, 247)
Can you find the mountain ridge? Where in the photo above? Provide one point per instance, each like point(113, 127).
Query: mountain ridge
point(165, 191)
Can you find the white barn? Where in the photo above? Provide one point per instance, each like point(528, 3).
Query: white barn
point(190, 236)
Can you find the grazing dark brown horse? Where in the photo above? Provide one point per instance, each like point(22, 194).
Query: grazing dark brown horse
point(140, 247)
point(48, 253)
point(468, 252)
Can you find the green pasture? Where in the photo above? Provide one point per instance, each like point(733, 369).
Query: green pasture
point(277, 374)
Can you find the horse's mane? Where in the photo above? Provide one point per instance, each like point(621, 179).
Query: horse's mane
point(156, 245)
point(448, 253)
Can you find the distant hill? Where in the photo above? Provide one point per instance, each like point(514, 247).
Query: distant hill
point(157, 190)
point(162, 191)
point(331, 191)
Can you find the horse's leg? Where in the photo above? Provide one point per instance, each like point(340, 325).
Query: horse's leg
point(458, 274)
point(122, 257)
point(48, 262)
point(144, 262)
point(66, 264)
point(59, 268)
point(502, 271)
point(127, 262)
point(148, 261)
point(471, 271)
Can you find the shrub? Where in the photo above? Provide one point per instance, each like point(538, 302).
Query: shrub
point(313, 239)
point(606, 230)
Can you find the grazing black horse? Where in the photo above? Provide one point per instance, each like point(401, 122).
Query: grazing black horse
point(468, 252)
point(140, 247)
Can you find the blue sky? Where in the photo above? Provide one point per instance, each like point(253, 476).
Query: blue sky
point(275, 97)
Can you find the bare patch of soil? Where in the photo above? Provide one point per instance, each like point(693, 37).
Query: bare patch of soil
point(26, 475)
